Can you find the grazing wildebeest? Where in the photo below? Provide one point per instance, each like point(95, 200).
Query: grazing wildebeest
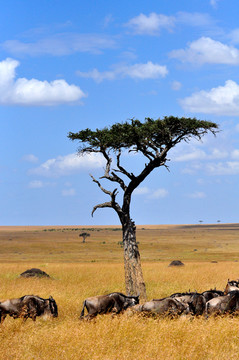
point(195, 301)
point(166, 306)
point(28, 306)
point(223, 304)
point(210, 294)
point(231, 286)
point(102, 304)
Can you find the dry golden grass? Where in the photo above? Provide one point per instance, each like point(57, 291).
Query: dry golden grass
point(82, 270)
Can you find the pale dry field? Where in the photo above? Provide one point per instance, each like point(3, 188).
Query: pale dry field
point(82, 270)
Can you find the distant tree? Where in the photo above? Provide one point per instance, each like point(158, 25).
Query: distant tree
point(84, 235)
point(153, 139)
point(200, 221)
point(218, 221)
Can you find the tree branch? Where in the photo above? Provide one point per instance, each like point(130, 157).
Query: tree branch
point(113, 204)
point(113, 177)
point(101, 187)
point(104, 205)
point(121, 168)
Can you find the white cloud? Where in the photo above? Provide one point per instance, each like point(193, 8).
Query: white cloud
point(136, 71)
point(141, 190)
point(145, 71)
point(214, 3)
point(97, 76)
point(30, 158)
point(207, 50)
point(33, 92)
point(194, 151)
point(108, 20)
point(193, 169)
point(159, 193)
point(193, 19)
point(68, 192)
point(222, 100)
point(151, 24)
point(197, 195)
point(218, 154)
point(235, 154)
point(234, 36)
point(223, 168)
point(65, 165)
point(35, 184)
point(151, 194)
point(60, 44)
point(193, 154)
point(176, 85)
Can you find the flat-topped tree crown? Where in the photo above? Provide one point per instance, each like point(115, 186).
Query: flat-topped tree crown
point(151, 138)
point(142, 136)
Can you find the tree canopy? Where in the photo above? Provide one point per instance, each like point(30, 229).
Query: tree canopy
point(149, 137)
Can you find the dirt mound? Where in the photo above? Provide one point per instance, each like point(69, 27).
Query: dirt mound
point(34, 273)
point(176, 263)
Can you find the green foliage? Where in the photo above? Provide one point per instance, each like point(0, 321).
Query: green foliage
point(84, 234)
point(143, 135)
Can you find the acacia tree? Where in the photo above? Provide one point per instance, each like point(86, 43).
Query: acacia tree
point(84, 235)
point(153, 139)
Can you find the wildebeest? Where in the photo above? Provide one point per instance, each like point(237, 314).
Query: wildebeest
point(166, 306)
point(102, 304)
point(28, 306)
point(195, 301)
point(210, 294)
point(231, 286)
point(223, 304)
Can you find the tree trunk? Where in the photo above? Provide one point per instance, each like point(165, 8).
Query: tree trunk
point(134, 281)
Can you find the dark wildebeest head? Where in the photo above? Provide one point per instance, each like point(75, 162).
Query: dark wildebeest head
point(102, 304)
point(28, 306)
point(194, 300)
point(51, 308)
point(197, 304)
point(231, 286)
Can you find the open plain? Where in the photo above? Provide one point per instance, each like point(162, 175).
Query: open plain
point(79, 270)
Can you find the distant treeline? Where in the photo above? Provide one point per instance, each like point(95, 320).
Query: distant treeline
point(83, 229)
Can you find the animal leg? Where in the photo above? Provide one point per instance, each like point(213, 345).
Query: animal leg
point(2, 318)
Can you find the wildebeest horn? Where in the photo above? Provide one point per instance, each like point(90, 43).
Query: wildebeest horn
point(51, 298)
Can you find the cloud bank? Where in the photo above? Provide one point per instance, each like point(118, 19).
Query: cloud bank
point(153, 23)
point(151, 194)
point(207, 50)
point(68, 164)
point(136, 71)
point(60, 45)
point(34, 92)
point(150, 25)
point(222, 100)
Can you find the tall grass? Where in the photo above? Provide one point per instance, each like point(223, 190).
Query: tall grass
point(124, 336)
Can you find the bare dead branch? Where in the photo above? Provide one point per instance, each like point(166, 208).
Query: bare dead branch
point(104, 205)
point(111, 177)
point(121, 168)
point(113, 204)
point(100, 186)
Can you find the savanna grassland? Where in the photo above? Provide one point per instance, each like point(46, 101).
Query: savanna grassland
point(79, 270)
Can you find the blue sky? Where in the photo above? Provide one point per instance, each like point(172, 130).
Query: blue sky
point(65, 66)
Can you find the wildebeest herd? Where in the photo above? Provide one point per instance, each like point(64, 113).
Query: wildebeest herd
point(28, 306)
point(209, 302)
